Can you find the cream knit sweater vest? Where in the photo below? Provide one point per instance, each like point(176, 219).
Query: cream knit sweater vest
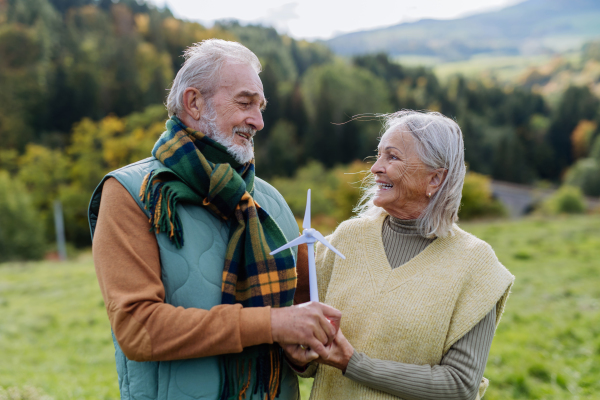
point(411, 314)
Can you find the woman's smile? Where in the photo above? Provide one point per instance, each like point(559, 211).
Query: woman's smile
point(384, 185)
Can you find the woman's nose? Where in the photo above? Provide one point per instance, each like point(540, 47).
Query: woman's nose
point(377, 168)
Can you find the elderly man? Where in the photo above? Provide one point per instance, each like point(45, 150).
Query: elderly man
point(181, 247)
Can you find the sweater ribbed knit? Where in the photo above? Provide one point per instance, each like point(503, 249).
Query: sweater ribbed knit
point(458, 377)
point(415, 313)
point(460, 372)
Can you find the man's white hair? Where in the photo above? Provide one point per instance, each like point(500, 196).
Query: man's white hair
point(203, 63)
point(439, 144)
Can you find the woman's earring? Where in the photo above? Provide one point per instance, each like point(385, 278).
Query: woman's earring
point(429, 195)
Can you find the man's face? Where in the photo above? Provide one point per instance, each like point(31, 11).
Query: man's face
point(234, 113)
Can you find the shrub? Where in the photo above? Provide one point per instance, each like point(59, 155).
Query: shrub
point(477, 200)
point(585, 174)
point(312, 176)
point(21, 236)
point(334, 192)
point(347, 192)
point(566, 200)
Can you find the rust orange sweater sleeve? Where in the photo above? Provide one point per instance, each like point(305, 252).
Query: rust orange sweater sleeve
point(127, 264)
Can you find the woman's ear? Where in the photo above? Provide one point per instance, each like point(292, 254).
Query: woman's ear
point(436, 179)
point(193, 103)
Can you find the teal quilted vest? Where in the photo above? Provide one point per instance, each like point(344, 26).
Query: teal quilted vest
point(192, 278)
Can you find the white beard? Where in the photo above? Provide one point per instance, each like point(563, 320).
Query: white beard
point(242, 153)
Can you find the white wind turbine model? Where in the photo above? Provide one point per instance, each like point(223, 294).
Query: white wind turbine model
point(310, 236)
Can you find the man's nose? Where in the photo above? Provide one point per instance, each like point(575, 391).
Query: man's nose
point(255, 120)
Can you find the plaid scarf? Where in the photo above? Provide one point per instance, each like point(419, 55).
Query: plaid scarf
point(200, 171)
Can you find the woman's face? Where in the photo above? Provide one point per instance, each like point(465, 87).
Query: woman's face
point(401, 177)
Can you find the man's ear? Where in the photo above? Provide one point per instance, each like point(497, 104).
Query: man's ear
point(436, 179)
point(193, 103)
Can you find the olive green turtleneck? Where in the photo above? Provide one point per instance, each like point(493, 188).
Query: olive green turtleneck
point(405, 232)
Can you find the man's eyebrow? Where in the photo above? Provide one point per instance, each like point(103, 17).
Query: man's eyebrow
point(247, 93)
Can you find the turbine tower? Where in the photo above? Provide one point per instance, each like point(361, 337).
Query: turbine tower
point(310, 236)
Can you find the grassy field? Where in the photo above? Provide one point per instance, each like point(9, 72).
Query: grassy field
point(506, 69)
point(54, 334)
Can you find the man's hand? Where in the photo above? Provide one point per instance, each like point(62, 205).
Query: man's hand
point(298, 354)
point(339, 353)
point(312, 325)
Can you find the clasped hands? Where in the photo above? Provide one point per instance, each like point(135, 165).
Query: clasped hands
point(309, 332)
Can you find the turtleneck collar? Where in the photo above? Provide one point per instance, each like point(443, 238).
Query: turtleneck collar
point(405, 226)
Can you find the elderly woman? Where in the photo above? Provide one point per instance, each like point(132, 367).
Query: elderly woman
point(420, 297)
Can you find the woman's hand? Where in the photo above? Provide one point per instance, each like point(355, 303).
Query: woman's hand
point(299, 355)
point(339, 354)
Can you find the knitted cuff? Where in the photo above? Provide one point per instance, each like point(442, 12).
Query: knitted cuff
point(307, 371)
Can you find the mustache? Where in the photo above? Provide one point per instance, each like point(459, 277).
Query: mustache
point(244, 129)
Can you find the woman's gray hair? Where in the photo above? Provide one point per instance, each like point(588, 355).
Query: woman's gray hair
point(439, 144)
point(203, 62)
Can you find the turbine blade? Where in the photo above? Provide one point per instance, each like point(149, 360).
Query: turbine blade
point(299, 240)
point(322, 239)
point(306, 223)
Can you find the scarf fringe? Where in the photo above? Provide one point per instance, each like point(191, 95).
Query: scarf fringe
point(161, 202)
point(238, 375)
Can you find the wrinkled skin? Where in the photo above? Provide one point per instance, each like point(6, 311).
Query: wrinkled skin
point(233, 113)
point(406, 183)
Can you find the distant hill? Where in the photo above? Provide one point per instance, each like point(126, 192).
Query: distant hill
point(528, 28)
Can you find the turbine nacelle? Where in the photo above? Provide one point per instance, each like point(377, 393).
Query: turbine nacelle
point(309, 235)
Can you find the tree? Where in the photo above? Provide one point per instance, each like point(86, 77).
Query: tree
point(333, 94)
point(98, 148)
point(20, 235)
point(44, 172)
point(581, 138)
point(277, 154)
point(577, 104)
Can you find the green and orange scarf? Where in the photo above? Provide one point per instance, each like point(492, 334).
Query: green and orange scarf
point(199, 171)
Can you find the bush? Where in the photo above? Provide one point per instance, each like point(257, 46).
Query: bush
point(477, 200)
point(334, 192)
point(21, 236)
point(585, 174)
point(312, 176)
point(566, 200)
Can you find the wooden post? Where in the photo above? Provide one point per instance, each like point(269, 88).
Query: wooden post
point(60, 230)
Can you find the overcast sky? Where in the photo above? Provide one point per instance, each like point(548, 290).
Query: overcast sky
point(323, 19)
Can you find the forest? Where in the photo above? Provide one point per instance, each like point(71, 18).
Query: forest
point(83, 82)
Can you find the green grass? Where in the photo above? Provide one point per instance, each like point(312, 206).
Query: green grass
point(507, 69)
point(548, 343)
point(54, 333)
